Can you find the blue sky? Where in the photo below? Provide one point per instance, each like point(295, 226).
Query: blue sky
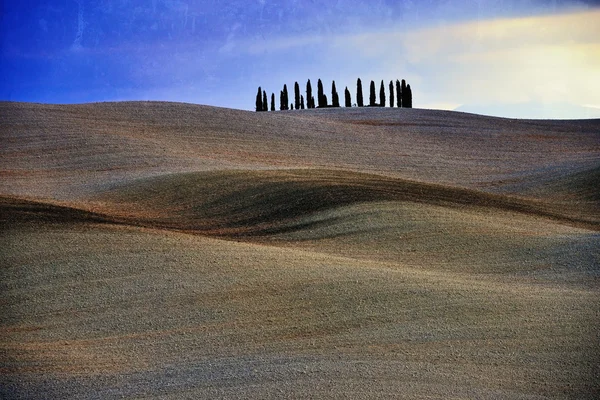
point(511, 58)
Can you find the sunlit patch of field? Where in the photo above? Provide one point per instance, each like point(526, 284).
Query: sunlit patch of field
point(467, 240)
point(158, 250)
point(173, 313)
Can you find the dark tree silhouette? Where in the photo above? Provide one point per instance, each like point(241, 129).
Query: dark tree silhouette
point(359, 93)
point(309, 95)
point(296, 96)
point(335, 98)
point(259, 106)
point(286, 99)
point(372, 97)
point(320, 95)
point(348, 102)
point(401, 95)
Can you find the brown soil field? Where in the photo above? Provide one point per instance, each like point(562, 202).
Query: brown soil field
point(165, 250)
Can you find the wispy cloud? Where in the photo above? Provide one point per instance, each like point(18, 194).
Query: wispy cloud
point(261, 44)
point(544, 59)
point(507, 60)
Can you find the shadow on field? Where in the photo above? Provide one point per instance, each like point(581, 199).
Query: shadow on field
point(255, 203)
point(14, 211)
point(262, 203)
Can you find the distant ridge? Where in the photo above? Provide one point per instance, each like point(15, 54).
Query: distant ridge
point(533, 110)
point(115, 143)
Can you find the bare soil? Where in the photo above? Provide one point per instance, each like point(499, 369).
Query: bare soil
point(163, 250)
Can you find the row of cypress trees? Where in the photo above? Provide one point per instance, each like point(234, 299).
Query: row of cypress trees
point(400, 95)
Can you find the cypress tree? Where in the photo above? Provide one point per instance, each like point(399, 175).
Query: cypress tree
point(309, 95)
point(320, 95)
point(324, 100)
point(372, 94)
point(286, 99)
point(391, 94)
point(404, 94)
point(272, 101)
point(359, 93)
point(296, 96)
point(265, 103)
point(302, 102)
point(398, 94)
point(281, 101)
point(382, 95)
point(312, 102)
point(348, 98)
point(291, 106)
point(335, 98)
point(409, 96)
point(259, 106)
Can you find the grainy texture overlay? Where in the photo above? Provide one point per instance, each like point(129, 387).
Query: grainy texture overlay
point(163, 250)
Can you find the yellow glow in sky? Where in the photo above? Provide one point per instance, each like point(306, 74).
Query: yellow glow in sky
point(545, 59)
point(542, 59)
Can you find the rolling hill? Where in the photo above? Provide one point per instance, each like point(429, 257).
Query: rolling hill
point(165, 250)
